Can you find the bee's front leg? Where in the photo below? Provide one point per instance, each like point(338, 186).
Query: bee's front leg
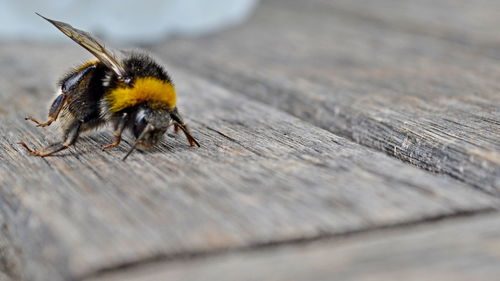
point(70, 139)
point(180, 124)
point(119, 127)
point(176, 128)
point(192, 141)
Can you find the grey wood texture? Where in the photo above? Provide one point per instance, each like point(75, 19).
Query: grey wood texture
point(278, 105)
point(460, 250)
point(261, 177)
point(368, 71)
point(468, 23)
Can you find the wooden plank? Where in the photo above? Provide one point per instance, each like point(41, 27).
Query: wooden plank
point(261, 176)
point(472, 24)
point(4, 277)
point(8, 257)
point(465, 249)
point(421, 99)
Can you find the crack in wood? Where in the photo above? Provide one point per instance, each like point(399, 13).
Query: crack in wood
point(270, 245)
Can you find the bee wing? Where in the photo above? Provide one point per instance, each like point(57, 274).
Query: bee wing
point(85, 40)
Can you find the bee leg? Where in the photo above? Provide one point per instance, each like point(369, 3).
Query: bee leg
point(119, 126)
point(179, 124)
point(54, 111)
point(187, 133)
point(46, 151)
point(68, 86)
point(70, 139)
point(176, 116)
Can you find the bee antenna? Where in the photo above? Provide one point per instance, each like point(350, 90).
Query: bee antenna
point(130, 151)
point(148, 128)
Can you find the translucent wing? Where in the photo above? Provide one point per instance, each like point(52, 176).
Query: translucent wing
point(85, 40)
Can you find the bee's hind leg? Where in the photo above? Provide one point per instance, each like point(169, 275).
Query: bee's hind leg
point(70, 139)
point(68, 86)
point(54, 111)
point(46, 151)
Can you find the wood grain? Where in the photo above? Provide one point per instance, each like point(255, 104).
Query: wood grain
point(260, 177)
point(423, 99)
point(470, 24)
point(459, 250)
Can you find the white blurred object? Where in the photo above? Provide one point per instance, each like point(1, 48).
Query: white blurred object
point(120, 20)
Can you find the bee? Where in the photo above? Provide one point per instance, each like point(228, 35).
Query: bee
point(133, 93)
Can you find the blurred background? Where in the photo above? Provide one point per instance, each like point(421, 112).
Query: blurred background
point(127, 21)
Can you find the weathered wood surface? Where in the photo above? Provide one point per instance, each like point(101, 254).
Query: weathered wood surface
point(423, 99)
point(261, 176)
point(471, 24)
point(459, 250)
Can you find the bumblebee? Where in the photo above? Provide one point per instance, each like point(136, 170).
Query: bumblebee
point(133, 93)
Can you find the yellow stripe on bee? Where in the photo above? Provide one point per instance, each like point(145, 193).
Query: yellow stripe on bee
point(148, 89)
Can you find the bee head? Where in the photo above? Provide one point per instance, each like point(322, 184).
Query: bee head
point(149, 125)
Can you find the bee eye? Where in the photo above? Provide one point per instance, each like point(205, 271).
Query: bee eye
point(140, 123)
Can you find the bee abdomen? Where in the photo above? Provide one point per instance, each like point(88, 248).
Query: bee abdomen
point(84, 89)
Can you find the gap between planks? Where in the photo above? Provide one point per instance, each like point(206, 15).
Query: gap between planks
point(187, 257)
